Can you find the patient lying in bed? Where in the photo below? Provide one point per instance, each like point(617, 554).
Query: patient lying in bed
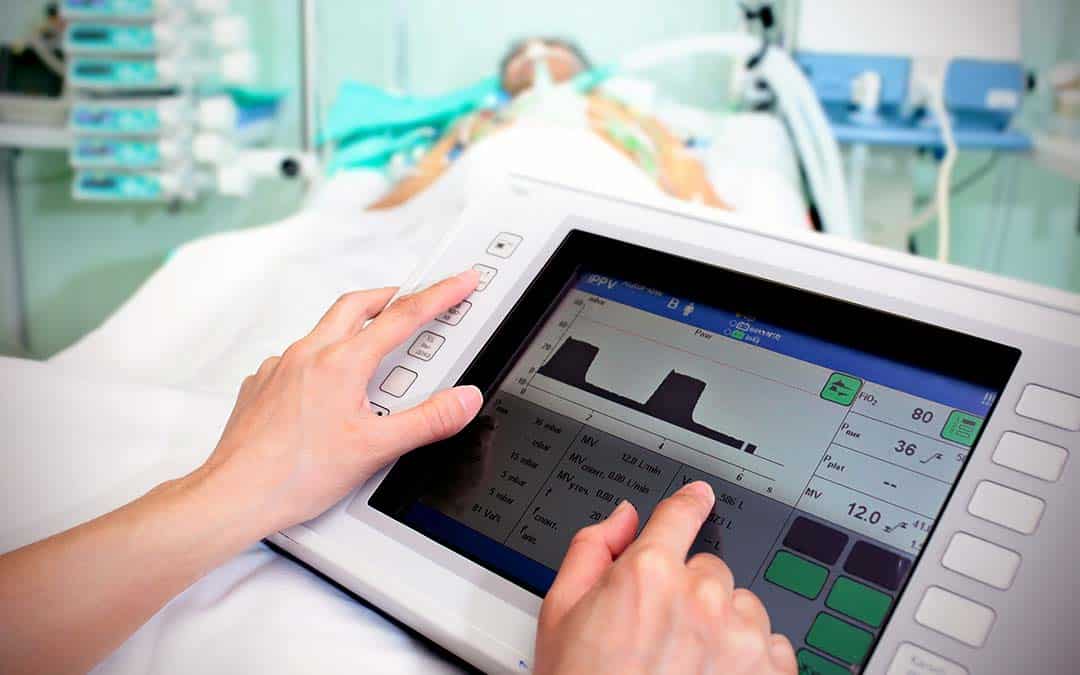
point(529, 74)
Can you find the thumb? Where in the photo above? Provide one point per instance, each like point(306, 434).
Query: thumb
point(440, 416)
point(592, 551)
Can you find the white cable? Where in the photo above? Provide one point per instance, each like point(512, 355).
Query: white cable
point(943, 185)
point(944, 178)
point(821, 154)
point(859, 157)
point(824, 142)
point(51, 61)
point(812, 164)
point(735, 44)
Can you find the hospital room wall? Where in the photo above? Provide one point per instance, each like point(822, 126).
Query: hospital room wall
point(604, 29)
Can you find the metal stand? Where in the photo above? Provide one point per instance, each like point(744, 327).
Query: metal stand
point(15, 337)
point(308, 66)
point(14, 332)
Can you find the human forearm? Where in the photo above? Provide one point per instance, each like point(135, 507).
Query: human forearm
point(427, 171)
point(299, 439)
point(682, 174)
point(68, 601)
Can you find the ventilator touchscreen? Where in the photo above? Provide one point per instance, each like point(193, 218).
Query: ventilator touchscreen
point(829, 463)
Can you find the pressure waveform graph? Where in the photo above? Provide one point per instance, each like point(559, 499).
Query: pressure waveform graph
point(674, 401)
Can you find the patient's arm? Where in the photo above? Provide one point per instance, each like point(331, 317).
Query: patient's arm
point(428, 170)
point(299, 439)
point(680, 173)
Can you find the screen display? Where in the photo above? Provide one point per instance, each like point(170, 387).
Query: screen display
point(830, 462)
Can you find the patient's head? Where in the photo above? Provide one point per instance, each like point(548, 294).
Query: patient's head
point(564, 60)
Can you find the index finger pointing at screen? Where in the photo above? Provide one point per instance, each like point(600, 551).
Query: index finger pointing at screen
point(676, 521)
point(406, 314)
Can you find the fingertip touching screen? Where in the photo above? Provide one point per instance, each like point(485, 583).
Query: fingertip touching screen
point(832, 433)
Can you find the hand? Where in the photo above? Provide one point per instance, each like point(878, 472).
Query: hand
point(635, 607)
point(299, 439)
point(302, 434)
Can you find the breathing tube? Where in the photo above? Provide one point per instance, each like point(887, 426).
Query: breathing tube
point(810, 129)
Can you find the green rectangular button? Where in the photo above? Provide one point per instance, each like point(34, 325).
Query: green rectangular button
point(839, 638)
point(812, 664)
point(859, 601)
point(797, 575)
point(841, 388)
point(961, 428)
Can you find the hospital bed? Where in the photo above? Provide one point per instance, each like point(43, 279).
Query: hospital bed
point(144, 397)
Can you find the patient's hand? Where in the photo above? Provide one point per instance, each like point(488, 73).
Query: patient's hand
point(302, 435)
point(635, 607)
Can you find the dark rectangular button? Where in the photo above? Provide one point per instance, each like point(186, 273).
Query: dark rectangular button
point(818, 541)
point(876, 565)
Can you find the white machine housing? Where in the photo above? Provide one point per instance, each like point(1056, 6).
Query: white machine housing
point(490, 622)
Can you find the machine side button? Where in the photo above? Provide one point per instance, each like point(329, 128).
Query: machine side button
point(1006, 507)
point(959, 618)
point(398, 381)
point(455, 314)
point(487, 273)
point(504, 244)
point(426, 345)
point(981, 560)
point(912, 660)
point(379, 410)
point(1031, 456)
point(1050, 406)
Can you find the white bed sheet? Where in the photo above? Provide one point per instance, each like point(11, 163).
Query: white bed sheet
point(143, 398)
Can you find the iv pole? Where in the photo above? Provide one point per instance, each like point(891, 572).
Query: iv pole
point(307, 76)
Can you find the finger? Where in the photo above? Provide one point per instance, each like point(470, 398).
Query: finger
point(266, 369)
point(246, 387)
point(406, 314)
point(708, 565)
point(782, 654)
point(592, 551)
point(749, 607)
point(676, 521)
point(348, 314)
point(440, 416)
point(713, 587)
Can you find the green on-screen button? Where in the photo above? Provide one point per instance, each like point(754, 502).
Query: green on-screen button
point(962, 428)
point(859, 601)
point(839, 638)
point(797, 575)
point(812, 664)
